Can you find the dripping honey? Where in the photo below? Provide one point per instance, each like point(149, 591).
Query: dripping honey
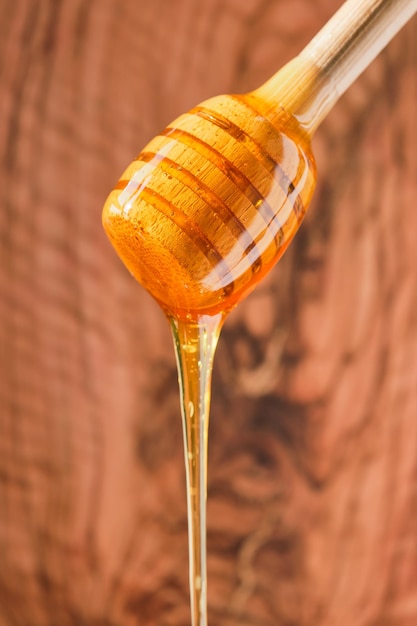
point(200, 216)
point(211, 203)
point(195, 344)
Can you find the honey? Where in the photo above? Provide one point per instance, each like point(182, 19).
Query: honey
point(210, 204)
point(202, 214)
point(195, 344)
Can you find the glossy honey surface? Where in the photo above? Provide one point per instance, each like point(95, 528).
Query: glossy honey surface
point(211, 203)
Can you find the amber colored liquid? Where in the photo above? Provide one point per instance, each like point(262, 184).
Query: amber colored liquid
point(195, 344)
point(210, 204)
point(201, 215)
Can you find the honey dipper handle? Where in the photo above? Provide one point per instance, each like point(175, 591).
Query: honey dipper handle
point(312, 83)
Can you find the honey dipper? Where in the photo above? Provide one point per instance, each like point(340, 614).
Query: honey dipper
point(213, 201)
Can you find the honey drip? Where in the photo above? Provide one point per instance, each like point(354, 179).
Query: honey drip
point(202, 214)
point(195, 344)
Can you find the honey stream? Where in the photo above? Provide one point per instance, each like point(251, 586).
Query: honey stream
point(195, 344)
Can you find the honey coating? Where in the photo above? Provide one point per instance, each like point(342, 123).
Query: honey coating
point(211, 204)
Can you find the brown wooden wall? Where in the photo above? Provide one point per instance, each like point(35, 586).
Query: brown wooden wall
point(313, 452)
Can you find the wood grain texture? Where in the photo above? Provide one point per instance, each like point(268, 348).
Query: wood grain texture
point(313, 471)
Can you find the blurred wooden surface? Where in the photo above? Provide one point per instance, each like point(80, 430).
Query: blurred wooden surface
point(313, 452)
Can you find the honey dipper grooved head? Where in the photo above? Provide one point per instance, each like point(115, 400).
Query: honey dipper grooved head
point(211, 203)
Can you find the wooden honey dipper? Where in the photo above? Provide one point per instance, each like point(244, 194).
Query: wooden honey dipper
point(212, 202)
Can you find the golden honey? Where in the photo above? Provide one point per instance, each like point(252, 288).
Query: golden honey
point(210, 204)
point(200, 216)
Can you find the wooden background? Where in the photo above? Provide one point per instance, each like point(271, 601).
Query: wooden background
point(313, 454)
